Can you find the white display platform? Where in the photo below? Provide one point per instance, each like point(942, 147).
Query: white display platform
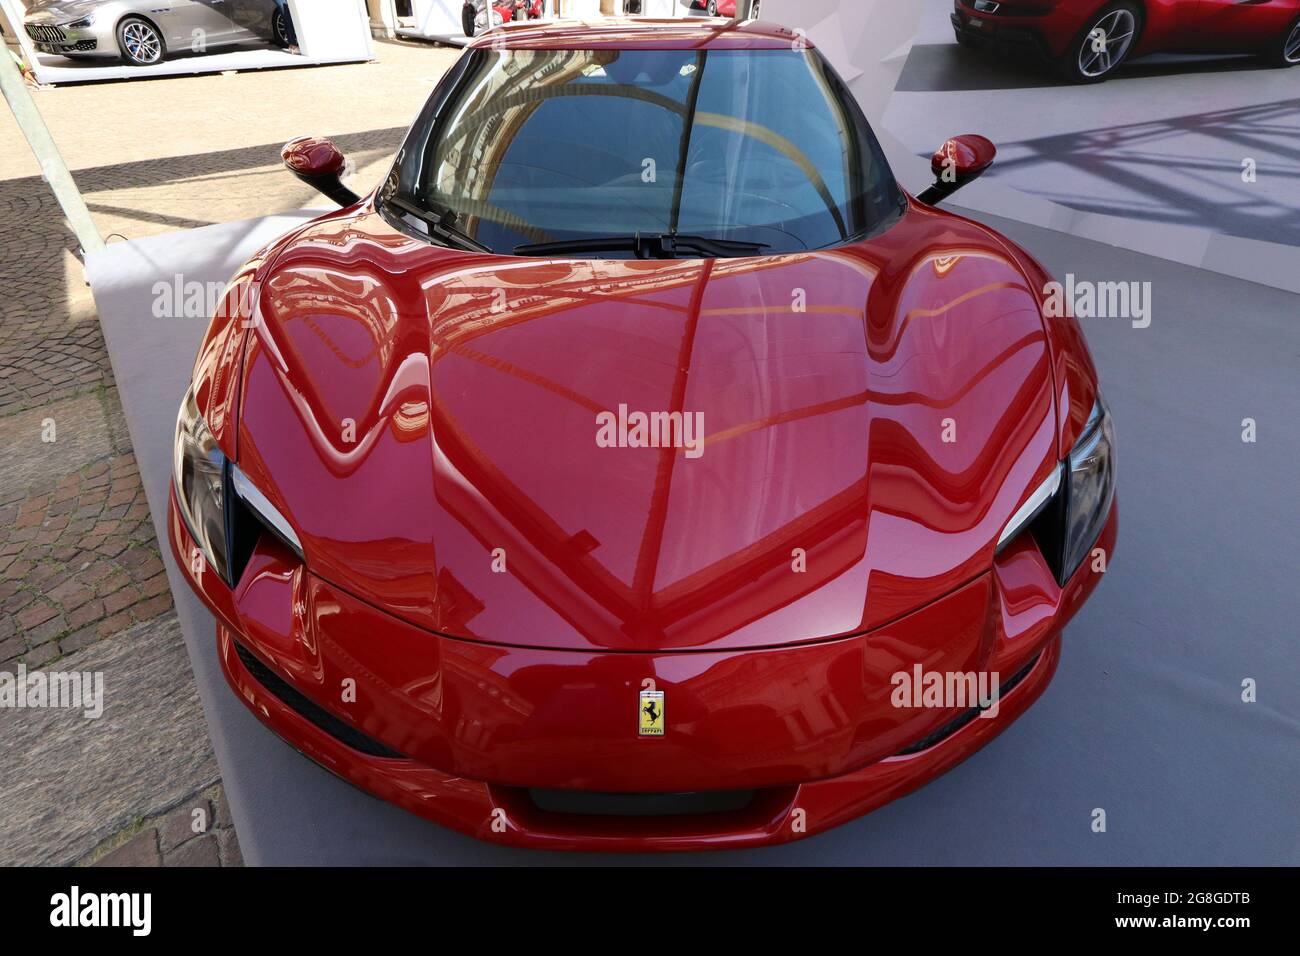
point(1143, 718)
point(328, 31)
point(440, 19)
point(435, 20)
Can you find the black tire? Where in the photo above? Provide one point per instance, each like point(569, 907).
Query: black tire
point(1071, 65)
point(711, 8)
point(965, 41)
point(140, 42)
point(1278, 55)
point(280, 28)
point(467, 15)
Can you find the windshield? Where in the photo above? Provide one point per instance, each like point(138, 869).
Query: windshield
point(760, 151)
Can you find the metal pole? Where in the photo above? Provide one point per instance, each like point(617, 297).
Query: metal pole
point(53, 168)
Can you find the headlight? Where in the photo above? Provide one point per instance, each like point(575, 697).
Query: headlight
point(199, 471)
point(1067, 511)
point(1090, 472)
point(80, 24)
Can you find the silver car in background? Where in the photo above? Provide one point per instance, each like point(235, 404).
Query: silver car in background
point(143, 32)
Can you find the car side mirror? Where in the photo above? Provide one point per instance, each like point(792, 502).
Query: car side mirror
point(961, 160)
point(319, 164)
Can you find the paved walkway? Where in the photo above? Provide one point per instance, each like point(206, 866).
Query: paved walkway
point(81, 578)
point(67, 774)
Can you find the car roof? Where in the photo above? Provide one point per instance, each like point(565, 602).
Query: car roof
point(643, 33)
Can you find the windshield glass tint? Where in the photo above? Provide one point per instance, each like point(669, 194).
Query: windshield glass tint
point(758, 146)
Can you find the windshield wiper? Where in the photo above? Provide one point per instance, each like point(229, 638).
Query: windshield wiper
point(661, 246)
point(442, 225)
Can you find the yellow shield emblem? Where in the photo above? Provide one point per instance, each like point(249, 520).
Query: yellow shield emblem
point(650, 719)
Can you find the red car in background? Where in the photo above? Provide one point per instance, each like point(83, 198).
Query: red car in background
point(603, 479)
point(475, 16)
point(1088, 39)
point(714, 8)
point(727, 8)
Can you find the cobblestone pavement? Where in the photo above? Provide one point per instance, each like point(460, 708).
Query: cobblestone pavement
point(199, 832)
point(79, 563)
point(72, 778)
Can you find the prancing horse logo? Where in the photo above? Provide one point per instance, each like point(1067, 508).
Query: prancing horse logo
point(650, 721)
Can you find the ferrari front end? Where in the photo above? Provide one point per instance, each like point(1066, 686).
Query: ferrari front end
point(541, 748)
point(577, 520)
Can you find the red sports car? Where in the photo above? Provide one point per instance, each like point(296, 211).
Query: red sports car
point(727, 8)
point(626, 470)
point(1089, 39)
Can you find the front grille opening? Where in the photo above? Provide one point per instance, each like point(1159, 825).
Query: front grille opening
point(966, 716)
point(587, 803)
point(46, 34)
point(310, 711)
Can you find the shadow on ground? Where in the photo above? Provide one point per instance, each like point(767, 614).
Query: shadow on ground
point(1160, 175)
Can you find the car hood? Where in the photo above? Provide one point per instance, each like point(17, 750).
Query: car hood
point(61, 10)
point(429, 422)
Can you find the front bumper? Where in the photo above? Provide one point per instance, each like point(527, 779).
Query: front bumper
point(1043, 35)
point(476, 736)
point(60, 40)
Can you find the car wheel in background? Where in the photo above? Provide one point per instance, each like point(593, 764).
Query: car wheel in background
point(1287, 52)
point(712, 8)
point(467, 14)
point(140, 42)
point(1103, 44)
point(280, 28)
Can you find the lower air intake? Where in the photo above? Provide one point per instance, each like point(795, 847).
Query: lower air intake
point(966, 716)
point(586, 803)
point(310, 711)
